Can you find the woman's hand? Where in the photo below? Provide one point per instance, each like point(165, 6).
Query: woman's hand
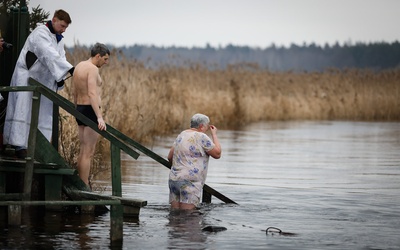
point(213, 129)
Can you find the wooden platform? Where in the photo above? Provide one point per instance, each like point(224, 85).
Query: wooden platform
point(44, 161)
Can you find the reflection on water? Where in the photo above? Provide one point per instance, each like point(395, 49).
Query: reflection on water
point(185, 230)
point(54, 230)
point(334, 184)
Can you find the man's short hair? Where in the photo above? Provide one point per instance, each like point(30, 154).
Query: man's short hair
point(99, 48)
point(63, 16)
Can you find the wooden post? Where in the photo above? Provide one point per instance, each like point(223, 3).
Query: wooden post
point(2, 182)
point(206, 197)
point(31, 145)
point(53, 186)
point(116, 212)
point(54, 136)
point(14, 215)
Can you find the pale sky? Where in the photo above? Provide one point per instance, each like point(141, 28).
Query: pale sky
point(254, 23)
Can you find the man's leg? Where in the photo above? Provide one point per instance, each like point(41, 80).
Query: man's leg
point(88, 139)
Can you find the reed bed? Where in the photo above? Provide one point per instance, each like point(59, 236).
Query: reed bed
point(144, 103)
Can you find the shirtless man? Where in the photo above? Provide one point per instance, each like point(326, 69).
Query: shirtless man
point(87, 86)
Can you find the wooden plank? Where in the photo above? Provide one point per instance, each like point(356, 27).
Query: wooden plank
point(47, 154)
point(116, 170)
point(73, 184)
point(4, 163)
point(14, 215)
point(116, 223)
point(59, 171)
point(124, 201)
point(116, 213)
point(11, 196)
point(16, 89)
point(63, 203)
point(206, 196)
point(2, 183)
point(138, 146)
point(53, 187)
point(56, 123)
point(31, 145)
point(217, 194)
point(131, 207)
point(130, 211)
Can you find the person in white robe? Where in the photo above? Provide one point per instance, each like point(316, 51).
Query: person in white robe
point(43, 59)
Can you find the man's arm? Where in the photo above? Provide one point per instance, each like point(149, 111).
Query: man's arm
point(92, 91)
point(94, 96)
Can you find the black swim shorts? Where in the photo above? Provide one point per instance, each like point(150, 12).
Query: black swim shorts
point(88, 111)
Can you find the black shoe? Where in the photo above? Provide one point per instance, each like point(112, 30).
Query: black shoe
point(21, 154)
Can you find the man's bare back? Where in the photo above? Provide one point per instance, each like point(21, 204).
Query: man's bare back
point(86, 83)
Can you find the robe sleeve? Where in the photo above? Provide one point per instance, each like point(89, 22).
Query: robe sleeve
point(48, 53)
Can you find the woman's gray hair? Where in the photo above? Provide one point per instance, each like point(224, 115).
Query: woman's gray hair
point(198, 119)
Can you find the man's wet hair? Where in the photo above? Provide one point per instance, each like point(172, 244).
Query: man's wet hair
point(99, 48)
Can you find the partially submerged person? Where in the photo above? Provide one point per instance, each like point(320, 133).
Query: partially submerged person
point(87, 86)
point(189, 158)
point(43, 59)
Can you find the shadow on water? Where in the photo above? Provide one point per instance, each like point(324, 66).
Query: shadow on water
point(42, 229)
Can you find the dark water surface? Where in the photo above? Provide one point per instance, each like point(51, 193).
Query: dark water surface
point(334, 185)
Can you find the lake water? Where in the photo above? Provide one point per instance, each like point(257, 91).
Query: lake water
point(333, 185)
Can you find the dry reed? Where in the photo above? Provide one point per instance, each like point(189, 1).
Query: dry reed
point(143, 103)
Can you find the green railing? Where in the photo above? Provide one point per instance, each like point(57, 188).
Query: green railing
point(118, 141)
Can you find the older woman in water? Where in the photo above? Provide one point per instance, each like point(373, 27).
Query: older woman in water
point(189, 157)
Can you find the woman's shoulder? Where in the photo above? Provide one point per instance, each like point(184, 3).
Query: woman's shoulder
point(202, 136)
point(192, 133)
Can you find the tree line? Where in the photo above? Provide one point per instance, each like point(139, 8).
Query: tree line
point(376, 56)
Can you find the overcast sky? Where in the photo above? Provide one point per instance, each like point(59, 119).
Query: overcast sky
point(254, 23)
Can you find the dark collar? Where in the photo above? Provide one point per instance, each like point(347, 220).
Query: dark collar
point(49, 25)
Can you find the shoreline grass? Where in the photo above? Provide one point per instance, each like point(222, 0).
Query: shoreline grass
point(144, 103)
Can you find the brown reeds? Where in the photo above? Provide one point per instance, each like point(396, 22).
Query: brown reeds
point(144, 103)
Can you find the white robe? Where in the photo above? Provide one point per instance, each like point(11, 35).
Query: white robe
point(50, 68)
